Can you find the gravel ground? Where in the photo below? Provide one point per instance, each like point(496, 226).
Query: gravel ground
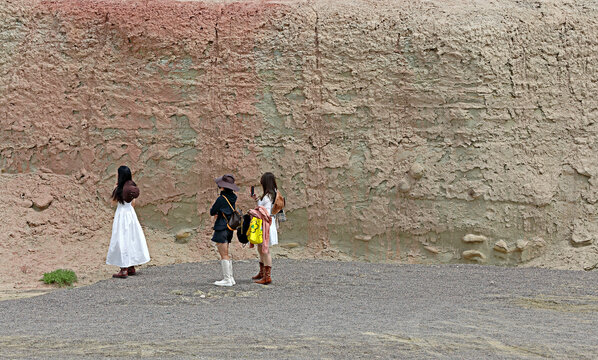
point(313, 309)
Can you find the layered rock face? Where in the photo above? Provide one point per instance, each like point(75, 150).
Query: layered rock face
point(432, 131)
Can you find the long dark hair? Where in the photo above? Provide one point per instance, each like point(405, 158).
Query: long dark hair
point(124, 175)
point(268, 182)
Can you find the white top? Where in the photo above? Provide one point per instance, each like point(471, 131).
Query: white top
point(267, 203)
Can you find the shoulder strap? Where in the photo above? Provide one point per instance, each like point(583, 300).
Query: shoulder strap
point(234, 210)
point(228, 202)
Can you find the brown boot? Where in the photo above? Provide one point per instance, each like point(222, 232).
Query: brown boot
point(131, 270)
point(266, 279)
point(261, 273)
point(121, 274)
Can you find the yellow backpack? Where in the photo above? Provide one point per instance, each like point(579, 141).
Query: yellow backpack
point(254, 233)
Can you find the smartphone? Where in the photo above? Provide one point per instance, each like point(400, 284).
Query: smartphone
point(252, 190)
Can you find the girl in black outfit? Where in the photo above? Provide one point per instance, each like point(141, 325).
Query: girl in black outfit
point(222, 210)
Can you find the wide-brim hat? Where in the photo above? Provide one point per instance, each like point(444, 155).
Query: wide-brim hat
point(227, 182)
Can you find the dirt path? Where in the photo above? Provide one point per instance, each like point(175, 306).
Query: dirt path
point(314, 309)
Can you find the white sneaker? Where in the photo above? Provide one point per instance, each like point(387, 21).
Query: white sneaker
point(224, 282)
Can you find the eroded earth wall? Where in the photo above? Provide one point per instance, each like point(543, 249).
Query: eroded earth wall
point(434, 131)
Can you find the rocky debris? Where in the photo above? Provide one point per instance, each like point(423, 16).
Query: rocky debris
point(42, 201)
point(591, 267)
point(474, 255)
point(584, 233)
point(566, 258)
point(81, 176)
point(531, 249)
point(521, 244)
point(501, 246)
point(26, 203)
point(581, 239)
point(290, 245)
point(472, 239)
point(585, 168)
point(363, 237)
point(416, 171)
point(433, 249)
point(36, 219)
point(475, 193)
point(404, 185)
point(182, 237)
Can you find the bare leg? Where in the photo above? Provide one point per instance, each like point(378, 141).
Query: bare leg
point(259, 252)
point(267, 261)
point(265, 258)
point(223, 251)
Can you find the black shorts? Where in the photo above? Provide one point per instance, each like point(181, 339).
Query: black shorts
point(222, 236)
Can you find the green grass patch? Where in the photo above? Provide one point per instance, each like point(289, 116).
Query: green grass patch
point(61, 277)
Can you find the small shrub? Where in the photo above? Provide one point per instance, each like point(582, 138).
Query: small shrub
point(61, 277)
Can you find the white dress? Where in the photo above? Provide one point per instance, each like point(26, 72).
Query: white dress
point(127, 245)
point(267, 203)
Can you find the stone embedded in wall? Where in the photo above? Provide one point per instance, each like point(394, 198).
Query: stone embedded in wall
point(531, 249)
point(477, 192)
point(416, 171)
point(26, 203)
point(501, 246)
point(182, 236)
point(521, 244)
point(584, 233)
point(591, 267)
point(590, 196)
point(433, 249)
point(473, 255)
point(585, 167)
point(365, 238)
point(472, 239)
point(404, 185)
point(42, 201)
point(581, 239)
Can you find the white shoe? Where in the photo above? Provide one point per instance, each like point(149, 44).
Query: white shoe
point(227, 269)
point(224, 282)
point(230, 272)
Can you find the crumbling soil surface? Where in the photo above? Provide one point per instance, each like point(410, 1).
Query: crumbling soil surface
point(59, 221)
point(313, 309)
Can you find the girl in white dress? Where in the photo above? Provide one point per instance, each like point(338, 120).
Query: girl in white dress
point(128, 247)
point(269, 187)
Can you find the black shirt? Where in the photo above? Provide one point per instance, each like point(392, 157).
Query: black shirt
point(221, 207)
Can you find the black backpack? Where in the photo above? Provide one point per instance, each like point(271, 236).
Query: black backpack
point(235, 220)
point(242, 231)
